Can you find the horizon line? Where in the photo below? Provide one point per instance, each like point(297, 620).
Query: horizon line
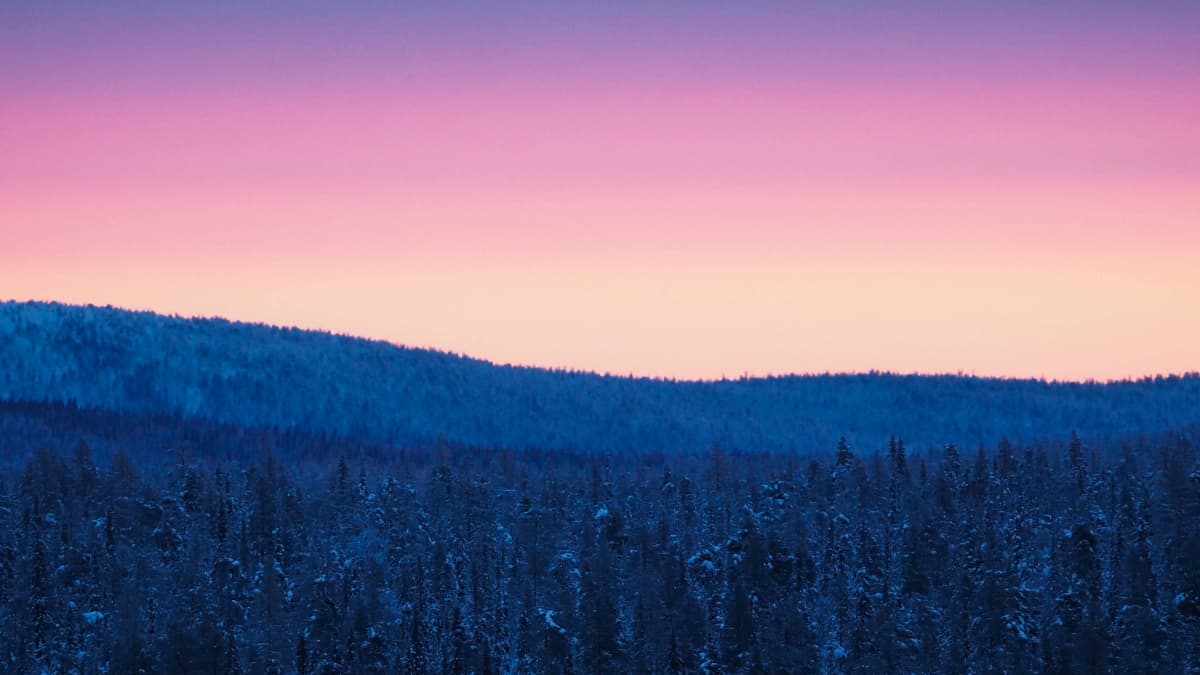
point(745, 377)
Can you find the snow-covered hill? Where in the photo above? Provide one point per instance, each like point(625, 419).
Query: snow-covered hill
point(265, 376)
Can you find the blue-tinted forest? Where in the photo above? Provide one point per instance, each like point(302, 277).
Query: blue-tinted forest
point(183, 496)
point(131, 543)
point(254, 375)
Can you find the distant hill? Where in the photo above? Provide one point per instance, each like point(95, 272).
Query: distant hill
point(257, 375)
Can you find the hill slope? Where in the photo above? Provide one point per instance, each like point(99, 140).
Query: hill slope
point(257, 375)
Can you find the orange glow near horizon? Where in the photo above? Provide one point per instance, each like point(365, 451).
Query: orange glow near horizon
point(680, 193)
point(700, 319)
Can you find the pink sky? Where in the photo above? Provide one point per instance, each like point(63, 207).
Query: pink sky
point(1017, 197)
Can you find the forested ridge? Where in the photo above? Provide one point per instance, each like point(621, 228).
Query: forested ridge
point(200, 496)
point(161, 543)
point(260, 376)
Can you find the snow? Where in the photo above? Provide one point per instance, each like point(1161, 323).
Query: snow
point(93, 617)
point(601, 513)
point(552, 625)
point(43, 345)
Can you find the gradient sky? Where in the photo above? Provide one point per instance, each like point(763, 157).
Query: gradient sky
point(691, 190)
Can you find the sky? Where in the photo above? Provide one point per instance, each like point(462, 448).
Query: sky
point(686, 190)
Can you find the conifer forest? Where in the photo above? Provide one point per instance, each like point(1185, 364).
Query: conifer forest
point(132, 544)
point(138, 536)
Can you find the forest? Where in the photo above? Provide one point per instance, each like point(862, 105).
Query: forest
point(262, 376)
point(162, 543)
